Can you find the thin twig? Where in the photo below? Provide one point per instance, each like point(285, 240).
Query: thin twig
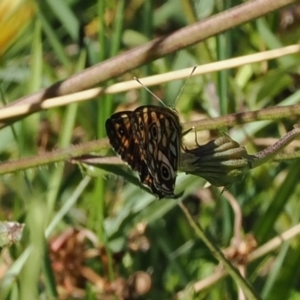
point(270, 113)
point(159, 47)
point(97, 145)
point(237, 214)
point(53, 157)
point(217, 253)
point(270, 152)
point(120, 87)
point(269, 246)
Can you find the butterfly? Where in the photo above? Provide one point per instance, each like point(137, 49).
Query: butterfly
point(149, 140)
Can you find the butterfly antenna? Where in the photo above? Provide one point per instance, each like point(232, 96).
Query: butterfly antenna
point(156, 97)
point(182, 88)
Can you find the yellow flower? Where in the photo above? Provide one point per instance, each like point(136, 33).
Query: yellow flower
point(15, 16)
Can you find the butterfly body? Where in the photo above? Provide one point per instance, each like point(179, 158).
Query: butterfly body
point(149, 140)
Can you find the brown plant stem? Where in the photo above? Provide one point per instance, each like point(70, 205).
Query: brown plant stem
point(264, 249)
point(156, 48)
point(53, 157)
point(97, 145)
point(270, 113)
point(10, 112)
point(271, 151)
point(217, 253)
point(238, 217)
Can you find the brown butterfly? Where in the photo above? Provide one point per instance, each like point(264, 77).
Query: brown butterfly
point(149, 140)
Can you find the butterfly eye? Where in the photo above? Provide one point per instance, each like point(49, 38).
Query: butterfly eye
point(121, 130)
point(165, 172)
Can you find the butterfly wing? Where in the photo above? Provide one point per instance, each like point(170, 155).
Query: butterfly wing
point(148, 180)
point(158, 132)
point(120, 135)
point(124, 142)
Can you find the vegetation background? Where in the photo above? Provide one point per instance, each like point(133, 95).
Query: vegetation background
point(105, 238)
